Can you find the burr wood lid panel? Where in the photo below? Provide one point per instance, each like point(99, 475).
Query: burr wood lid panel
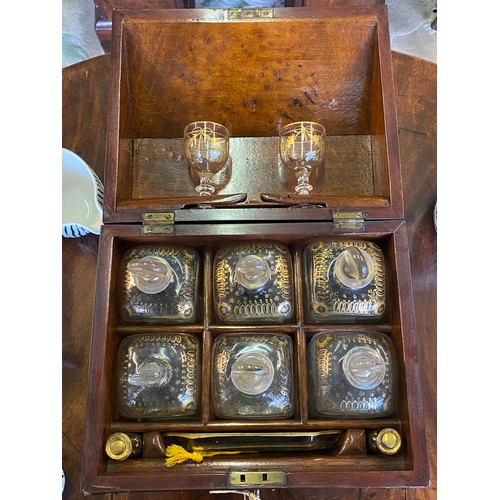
point(339, 79)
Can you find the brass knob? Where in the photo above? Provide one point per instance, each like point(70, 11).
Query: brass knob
point(121, 446)
point(386, 441)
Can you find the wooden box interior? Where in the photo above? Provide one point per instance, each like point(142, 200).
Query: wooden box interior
point(403, 468)
point(253, 75)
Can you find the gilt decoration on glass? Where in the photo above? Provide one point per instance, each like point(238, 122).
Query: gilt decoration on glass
point(253, 376)
point(206, 148)
point(160, 284)
point(345, 281)
point(302, 149)
point(352, 375)
point(158, 376)
point(253, 284)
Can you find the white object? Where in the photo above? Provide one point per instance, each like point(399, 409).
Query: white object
point(83, 194)
point(79, 39)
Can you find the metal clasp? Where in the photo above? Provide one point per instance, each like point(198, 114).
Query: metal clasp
point(348, 221)
point(250, 13)
point(158, 223)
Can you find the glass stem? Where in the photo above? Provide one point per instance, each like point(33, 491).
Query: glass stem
point(205, 188)
point(303, 187)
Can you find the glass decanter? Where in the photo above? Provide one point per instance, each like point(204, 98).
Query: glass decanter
point(352, 375)
point(344, 281)
point(253, 376)
point(253, 283)
point(160, 284)
point(158, 376)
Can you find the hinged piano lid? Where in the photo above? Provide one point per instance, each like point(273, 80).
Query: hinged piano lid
point(254, 74)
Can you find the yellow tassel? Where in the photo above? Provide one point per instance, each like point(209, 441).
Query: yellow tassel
point(177, 454)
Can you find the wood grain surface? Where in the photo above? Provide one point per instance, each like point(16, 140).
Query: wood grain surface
point(84, 102)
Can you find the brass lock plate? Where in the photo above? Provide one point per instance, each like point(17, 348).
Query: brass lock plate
point(250, 13)
point(257, 478)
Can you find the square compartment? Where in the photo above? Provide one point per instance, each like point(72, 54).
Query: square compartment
point(352, 375)
point(159, 376)
point(253, 284)
point(162, 286)
point(253, 376)
point(345, 281)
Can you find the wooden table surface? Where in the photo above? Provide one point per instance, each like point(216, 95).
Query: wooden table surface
point(85, 87)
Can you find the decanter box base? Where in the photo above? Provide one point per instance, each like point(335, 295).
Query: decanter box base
point(255, 338)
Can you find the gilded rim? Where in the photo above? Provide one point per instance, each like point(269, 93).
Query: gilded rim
point(289, 126)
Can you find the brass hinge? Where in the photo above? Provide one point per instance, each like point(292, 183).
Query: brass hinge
point(158, 223)
point(348, 221)
point(250, 13)
point(257, 478)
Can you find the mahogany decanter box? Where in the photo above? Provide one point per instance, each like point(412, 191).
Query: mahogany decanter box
point(253, 323)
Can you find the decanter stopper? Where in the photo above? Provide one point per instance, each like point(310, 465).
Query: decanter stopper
point(253, 372)
point(355, 268)
point(154, 372)
point(252, 272)
point(364, 367)
point(151, 274)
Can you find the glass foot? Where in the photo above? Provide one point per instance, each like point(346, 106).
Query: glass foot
point(205, 188)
